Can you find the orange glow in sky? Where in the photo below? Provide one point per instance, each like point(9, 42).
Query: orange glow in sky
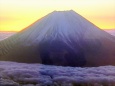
point(15, 15)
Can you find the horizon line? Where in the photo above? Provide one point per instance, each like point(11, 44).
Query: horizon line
point(22, 29)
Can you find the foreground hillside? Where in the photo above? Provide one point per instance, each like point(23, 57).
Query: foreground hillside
point(21, 74)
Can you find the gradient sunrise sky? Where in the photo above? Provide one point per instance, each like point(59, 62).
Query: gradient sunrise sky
point(15, 15)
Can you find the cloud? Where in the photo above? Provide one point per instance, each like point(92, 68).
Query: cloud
point(21, 73)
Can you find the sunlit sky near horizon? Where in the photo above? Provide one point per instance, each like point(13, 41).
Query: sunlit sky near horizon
point(15, 15)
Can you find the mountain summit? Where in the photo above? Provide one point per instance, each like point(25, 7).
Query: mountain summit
point(60, 38)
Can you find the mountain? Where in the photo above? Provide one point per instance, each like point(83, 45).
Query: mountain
point(5, 34)
point(111, 31)
point(60, 38)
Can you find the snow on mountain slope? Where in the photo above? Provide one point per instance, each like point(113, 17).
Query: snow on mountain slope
point(61, 38)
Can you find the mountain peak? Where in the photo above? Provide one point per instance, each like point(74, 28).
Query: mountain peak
point(61, 38)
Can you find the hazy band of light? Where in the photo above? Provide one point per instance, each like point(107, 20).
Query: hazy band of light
point(18, 14)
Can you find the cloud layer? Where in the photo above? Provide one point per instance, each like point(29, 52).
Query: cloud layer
point(16, 74)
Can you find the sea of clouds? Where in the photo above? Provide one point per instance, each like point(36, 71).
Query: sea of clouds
point(22, 74)
point(112, 32)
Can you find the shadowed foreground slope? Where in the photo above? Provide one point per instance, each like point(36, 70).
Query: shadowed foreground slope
point(60, 38)
point(20, 74)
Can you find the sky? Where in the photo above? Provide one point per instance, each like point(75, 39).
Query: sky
point(16, 15)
